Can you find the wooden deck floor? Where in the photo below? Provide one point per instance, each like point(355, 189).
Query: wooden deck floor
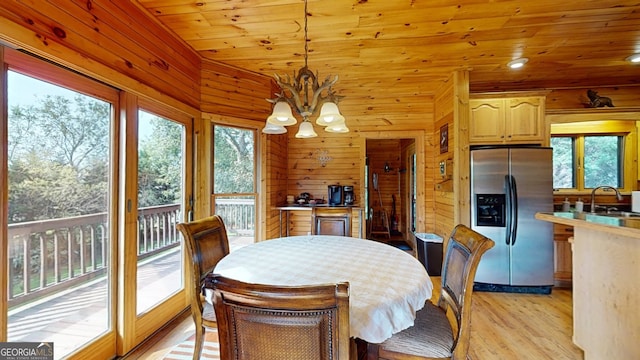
point(74, 317)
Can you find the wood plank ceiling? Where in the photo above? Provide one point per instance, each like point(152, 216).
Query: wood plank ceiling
point(398, 51)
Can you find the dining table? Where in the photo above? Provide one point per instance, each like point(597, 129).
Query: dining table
point(386, 285)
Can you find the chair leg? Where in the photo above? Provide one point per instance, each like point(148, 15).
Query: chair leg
point(372, 351)
point(199, 344)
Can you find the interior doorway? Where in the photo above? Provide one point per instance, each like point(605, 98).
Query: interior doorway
point(390, 190)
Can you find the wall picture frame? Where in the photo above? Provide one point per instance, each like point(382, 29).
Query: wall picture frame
point(444, 138)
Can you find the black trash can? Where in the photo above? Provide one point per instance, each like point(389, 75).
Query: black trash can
point(429, 248)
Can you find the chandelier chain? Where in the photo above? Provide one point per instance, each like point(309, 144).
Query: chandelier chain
point(306, 40)
point(303, 93)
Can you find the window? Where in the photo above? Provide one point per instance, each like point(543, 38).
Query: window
point(564, 160)
point(603, 161)
point(586, 155)
point(234, 190)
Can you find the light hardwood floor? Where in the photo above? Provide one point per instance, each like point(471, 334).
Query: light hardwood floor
point(503, 326)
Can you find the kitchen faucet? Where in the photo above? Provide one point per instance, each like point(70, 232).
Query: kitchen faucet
point(593, 195)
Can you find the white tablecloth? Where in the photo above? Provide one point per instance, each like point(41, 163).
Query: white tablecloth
point(387, 286)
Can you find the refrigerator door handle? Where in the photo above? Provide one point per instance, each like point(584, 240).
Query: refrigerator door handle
point(507, 233)
point(514, 210)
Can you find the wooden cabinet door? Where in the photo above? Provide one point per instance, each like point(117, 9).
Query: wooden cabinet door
point(563, 255)
point(525, 119)
point(487, 123)
point(505, 120)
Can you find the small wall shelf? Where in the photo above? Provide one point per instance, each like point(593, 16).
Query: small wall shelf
point(446, 185)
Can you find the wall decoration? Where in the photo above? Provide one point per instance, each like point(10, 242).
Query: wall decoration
point(444, 138)
point(596, 100)
point(322, 155)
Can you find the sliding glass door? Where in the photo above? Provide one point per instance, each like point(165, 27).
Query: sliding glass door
point(96, 180)
point(161, 163)
point(60, 220)
point(155, 163)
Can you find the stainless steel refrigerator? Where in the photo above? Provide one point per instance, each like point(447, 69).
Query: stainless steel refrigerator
point(508, 186)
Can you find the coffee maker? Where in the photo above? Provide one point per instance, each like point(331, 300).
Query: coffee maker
point(348, 195)
point(335, 195)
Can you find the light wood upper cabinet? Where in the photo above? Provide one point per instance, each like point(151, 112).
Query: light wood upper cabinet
point(507, 120)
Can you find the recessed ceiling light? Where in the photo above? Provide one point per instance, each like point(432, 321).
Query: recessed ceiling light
point(517, 63)
point(635, 58)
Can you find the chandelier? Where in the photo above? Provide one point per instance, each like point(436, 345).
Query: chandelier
point(305, 96)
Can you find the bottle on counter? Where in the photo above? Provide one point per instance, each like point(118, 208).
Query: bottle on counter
point(579, 205)
point(566, 205)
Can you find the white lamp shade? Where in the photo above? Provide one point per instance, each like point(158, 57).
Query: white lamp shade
point(338, 127)
point(281, 115)
point(329, 114)
point(634, 59)
point(306, 130)
point(274, 129)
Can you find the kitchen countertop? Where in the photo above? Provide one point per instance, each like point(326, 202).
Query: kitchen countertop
point(625, 226)
point(309, 206)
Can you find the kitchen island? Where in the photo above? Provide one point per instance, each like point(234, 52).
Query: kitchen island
point(606, 283)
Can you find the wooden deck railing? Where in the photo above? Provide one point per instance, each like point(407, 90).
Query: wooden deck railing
point(51, 255)
point(239, 215)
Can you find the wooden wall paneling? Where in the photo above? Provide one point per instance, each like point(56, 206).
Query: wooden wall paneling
point(461, 170)
point(233, 92)
point(275, 175)
point(424, 175)
point(115, 43)
point(357, 223)
point(299, 222)
point(341, 153)
point(452, 108)
point(444, 220)
point(427, 218)
point(203, 185)
point(623, 97)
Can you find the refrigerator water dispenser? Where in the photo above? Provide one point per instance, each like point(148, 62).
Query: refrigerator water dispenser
point(490, 210)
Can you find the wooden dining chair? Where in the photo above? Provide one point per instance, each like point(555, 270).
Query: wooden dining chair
point(281, 322)
point(331, 221)
point(206, 241)
point(435, 335)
